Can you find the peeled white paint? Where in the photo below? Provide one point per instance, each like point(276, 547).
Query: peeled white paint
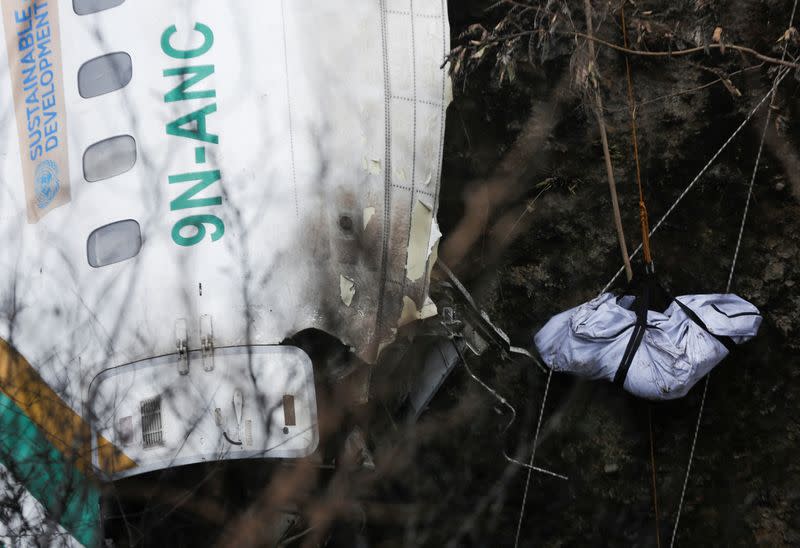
point(419, 244)
point(369, 213)
point(347, 288)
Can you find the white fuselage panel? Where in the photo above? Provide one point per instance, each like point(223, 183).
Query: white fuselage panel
point(324, 121)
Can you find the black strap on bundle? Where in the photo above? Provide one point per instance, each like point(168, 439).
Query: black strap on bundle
point(642, 306)
point(649, 292)
point(727, 342)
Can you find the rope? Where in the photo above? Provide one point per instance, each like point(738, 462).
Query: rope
point(648, 259)
point(643, 220)
point(530, 462)
point(697, 177)
point(772, 94)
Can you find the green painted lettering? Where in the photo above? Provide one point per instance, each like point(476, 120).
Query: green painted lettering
point(182, 93)
point(169, 49)
point(187, 200)
point(198, 222)
point(199, 132)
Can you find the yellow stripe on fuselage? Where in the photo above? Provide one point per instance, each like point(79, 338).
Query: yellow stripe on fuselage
point(62, 426)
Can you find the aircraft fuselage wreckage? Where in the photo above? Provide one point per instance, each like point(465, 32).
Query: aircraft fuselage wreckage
point(184, 188)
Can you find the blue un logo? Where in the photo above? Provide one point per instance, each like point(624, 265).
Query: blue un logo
point(47, 183)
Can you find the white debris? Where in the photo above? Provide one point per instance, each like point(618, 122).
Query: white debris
point(347, 288)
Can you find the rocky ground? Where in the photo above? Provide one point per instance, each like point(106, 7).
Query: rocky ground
point(548, 244)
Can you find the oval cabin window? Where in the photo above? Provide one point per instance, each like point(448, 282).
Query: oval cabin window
point(104, 74)
point(109, 158)
point(114, 243)
point(86, 7)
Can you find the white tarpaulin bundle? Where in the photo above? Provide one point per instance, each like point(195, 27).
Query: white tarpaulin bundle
point(664, 357)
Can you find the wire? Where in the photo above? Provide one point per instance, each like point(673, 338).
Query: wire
point(503, 401)
point(653, 470)
point(771, 93)
point(697, 177)
point(533, 454)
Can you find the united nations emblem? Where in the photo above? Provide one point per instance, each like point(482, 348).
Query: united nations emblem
point(46, 183)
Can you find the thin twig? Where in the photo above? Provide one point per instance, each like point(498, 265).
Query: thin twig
point(683, 91)
point(671, 53)
point(689, 51)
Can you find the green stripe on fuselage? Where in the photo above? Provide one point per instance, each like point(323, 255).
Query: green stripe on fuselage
point(48, 475)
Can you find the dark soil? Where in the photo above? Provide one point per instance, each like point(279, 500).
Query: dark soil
point(744, 488)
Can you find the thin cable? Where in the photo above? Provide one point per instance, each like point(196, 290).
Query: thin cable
point(653, 470)
point(708, 377)
point(503, 401)
point(771, 93)
point(531, 468)
point(691, 458)
point(697, 178)
point(533, 454)
point(750, 188)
